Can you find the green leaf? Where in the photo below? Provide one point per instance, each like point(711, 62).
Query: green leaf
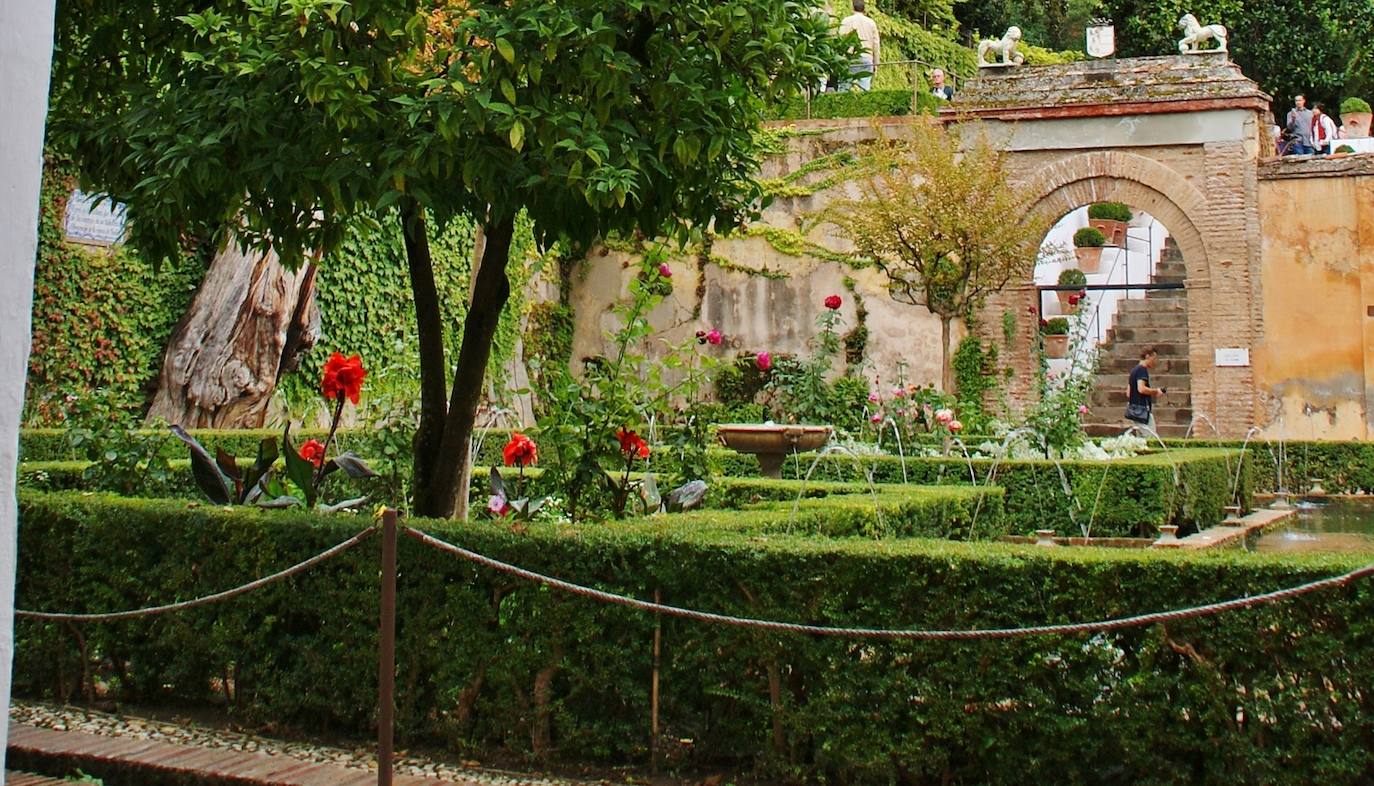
point(300, 471)
point(517, 135)
point(506, 51)
point(213, 482)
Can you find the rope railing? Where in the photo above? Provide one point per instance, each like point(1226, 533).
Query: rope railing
point(207, 599)
point(1097, 626)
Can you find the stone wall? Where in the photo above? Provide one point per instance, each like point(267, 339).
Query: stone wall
point(764, 293)
point(1314, 367)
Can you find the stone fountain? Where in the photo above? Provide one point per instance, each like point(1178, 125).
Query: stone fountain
point(771, 442)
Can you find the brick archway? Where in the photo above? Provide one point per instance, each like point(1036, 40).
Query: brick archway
point(1177, 137)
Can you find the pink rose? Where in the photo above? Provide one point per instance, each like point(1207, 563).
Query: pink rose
point(1082, 409)
point(944, 416)
point(873, 398)
point(665, 271)
point(713, 337)
point(764, 361)
point(956, 426)
point(877, 418)
point(498, 505)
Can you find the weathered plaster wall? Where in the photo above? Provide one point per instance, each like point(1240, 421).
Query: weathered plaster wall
point(1314, 368)
point(770, 312)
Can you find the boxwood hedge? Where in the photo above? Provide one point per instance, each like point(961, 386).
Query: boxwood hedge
point(1277, 694)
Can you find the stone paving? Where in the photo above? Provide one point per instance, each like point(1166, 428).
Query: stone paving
point(50, 732)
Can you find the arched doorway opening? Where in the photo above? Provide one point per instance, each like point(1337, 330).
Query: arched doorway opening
point(1115, 300)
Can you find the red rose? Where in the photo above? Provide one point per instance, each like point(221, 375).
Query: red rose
point(632, 445)
point(833, 302)
point(313, 451)
point(764, 361)
point(520, 451)
point(343, 377)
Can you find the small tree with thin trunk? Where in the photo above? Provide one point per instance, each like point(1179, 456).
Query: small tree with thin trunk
point(942, 222)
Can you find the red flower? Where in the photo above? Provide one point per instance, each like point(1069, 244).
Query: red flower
point(343, 377)
point(701, 337)
point(833, 302)
point(313, 451)
point(520, 451)
point(1073, 299)
point(713, 338)
point(632, 445)
point(764, 361)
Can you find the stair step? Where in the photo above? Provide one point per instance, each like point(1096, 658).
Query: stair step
point(1152, 333)
point(1116, 398)
point(1139, 305)
point(1167, 350)
point(1166, 294)
point(1111, 363)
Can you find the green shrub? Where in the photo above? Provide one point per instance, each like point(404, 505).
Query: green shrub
point(1072, 277)
point(490, 666)
point(1110, 211)
point(1354, 104)
point(1055, 326)
point(1344, 149)
point(870, 103)
point(1089, 237)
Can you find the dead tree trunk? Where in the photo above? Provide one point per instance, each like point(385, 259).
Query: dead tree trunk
point(247, 324)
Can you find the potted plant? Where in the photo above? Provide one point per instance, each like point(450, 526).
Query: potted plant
point(1087, 243)
point(1110, 218)
point(1055, 334)
point(1355, 117)
point(1069, 299)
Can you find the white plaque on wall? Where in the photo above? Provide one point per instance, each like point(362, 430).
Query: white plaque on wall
point(85, 222)
point(1233, 356)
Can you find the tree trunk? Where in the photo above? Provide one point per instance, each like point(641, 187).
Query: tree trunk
point(433, 366)
point(246, 324)
point(946, 363)
point(490, 292)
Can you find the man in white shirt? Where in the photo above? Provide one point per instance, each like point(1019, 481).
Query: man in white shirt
point(867, 30)
point(938, 88)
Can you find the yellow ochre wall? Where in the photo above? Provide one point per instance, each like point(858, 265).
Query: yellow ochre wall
point(1314, 366)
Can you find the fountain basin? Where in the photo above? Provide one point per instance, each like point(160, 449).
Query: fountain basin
point(772, 443)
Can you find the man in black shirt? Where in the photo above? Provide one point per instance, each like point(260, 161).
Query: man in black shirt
point(1141, 396)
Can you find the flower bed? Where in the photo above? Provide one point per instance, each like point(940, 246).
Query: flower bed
point(487, 664)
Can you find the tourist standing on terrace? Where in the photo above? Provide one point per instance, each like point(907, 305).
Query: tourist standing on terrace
point(867, 30)
point(1299, 126)
point(1140, 402)
point(938, 88)
point(1323, 130)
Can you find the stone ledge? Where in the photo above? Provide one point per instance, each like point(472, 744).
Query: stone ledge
point(1294, 167)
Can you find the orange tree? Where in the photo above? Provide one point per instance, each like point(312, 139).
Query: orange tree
point(289, 120)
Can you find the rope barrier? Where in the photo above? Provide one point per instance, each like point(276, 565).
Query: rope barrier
point(208, 599)
point(878, 633)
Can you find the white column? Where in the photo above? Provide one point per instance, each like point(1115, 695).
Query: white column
point(26, 29)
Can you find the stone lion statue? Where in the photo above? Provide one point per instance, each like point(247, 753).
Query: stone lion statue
point(1195, 35)
point(1004, 49)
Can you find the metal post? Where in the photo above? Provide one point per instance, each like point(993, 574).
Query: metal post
point(386, 668)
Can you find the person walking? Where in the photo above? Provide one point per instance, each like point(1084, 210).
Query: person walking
point(867, 60)
point(1323, 130)
point(1299, 127)
point(1140, 401)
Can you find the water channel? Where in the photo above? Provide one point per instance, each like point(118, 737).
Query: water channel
point(1325, 525)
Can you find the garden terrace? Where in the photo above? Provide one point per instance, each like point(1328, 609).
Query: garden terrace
point(487, 665)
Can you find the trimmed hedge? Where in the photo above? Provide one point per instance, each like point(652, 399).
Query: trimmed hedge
point(870, 103)
point(1277, 694)
point(1121, 498)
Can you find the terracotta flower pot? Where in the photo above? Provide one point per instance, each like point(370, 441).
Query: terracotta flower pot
point(1114, 231)
point(1056, 346)
point(1089, 258)
point(1356, 124)
point(1065, 307)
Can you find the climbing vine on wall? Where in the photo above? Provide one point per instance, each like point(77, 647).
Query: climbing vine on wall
point(101, 318)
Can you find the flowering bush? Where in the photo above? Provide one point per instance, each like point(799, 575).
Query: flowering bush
point(222, 480)
point(520, 451)
point(599, 425)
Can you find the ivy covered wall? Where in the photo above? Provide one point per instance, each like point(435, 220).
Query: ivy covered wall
point(101, 318)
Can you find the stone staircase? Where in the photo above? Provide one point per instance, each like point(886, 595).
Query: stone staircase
point(1160, 320)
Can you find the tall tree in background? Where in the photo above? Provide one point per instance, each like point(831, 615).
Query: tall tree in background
point(286, 120)
point(944, 224)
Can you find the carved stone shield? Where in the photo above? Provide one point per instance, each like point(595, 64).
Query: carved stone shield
point(1101, 39)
